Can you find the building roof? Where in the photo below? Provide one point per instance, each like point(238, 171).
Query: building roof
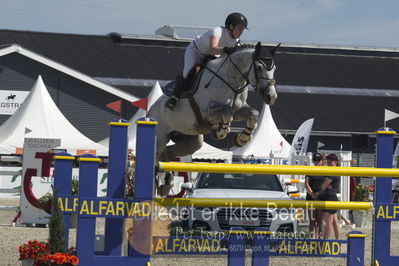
point(346, 89)
point(9, 49)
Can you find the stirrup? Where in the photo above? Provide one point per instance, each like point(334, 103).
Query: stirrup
point(171, 102)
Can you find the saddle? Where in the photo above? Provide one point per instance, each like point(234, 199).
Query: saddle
point(192, 80)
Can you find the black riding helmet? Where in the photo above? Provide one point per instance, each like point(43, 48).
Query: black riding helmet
point(236, 19)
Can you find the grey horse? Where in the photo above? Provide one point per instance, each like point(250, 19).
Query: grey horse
point(220, 98)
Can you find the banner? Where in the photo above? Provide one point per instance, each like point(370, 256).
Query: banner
point(10, 101)
point(301, 139)
point(36, 164)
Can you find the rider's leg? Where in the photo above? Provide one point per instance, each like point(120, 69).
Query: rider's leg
point(191, 59)
point(177, 90)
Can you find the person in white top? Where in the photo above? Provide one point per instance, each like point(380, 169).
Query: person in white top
point(219, 40)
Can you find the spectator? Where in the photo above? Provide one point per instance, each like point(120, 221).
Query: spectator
point(313, 184)
point(130, 173)
point(328, 192)
point(353, 182)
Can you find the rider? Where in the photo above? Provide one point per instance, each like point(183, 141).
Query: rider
point(216, 41)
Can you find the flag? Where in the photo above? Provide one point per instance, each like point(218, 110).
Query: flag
point(320, 144)
point(301, 139)
point(281, 143)
point(116, 106)
point(389, 115)
point(142, 104)
point(27, 130)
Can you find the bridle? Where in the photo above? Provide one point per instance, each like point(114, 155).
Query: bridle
point(258, 76)
point(239, 90)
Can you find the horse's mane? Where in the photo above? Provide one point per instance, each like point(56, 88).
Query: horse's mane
point(245, 46)
point(239, 49)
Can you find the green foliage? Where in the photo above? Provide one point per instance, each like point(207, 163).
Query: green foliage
point(14, 177)
point(104, 177)
point(56, 228)
point(75, 187)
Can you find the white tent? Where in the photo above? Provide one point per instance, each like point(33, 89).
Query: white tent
point(39, 117)
point(155, 93)
point(265, 140)
point(208, 152)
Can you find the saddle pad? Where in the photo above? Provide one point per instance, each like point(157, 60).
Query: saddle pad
point(193, 85)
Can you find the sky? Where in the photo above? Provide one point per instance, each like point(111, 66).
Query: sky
point(359, 23)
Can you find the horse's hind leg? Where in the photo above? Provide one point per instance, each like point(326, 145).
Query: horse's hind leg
point(251, 115)
point(184, 145)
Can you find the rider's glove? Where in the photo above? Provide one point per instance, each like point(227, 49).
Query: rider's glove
point(229, 50)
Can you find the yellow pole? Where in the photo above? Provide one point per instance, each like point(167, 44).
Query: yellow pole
point(255, 203)
point(279, 169)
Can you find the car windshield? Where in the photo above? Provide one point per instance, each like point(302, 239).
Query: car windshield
point(239, 181)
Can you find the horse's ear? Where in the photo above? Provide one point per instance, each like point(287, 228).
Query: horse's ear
point(257, 49)
point(273, 51)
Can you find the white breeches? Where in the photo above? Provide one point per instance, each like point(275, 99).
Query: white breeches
point(192, 57)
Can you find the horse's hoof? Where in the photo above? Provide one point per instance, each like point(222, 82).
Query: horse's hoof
point(237, 142)
point(221, 136)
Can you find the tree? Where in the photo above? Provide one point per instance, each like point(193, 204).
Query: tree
point(56, 227)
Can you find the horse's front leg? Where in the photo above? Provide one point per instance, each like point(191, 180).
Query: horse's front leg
point(251, 115)
point(221, 116)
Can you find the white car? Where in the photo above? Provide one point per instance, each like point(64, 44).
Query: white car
point(239, 186)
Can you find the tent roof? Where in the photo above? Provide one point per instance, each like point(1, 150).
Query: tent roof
point(266, 139)
point(209, 152)
point(39, 114)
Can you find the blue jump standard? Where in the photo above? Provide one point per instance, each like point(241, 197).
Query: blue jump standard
point(115, 207)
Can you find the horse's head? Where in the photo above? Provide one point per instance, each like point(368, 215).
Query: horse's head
point(263, 67)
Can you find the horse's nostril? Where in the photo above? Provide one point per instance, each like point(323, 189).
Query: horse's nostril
point(268, 98)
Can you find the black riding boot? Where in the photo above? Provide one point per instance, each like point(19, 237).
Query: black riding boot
point(177, 90)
